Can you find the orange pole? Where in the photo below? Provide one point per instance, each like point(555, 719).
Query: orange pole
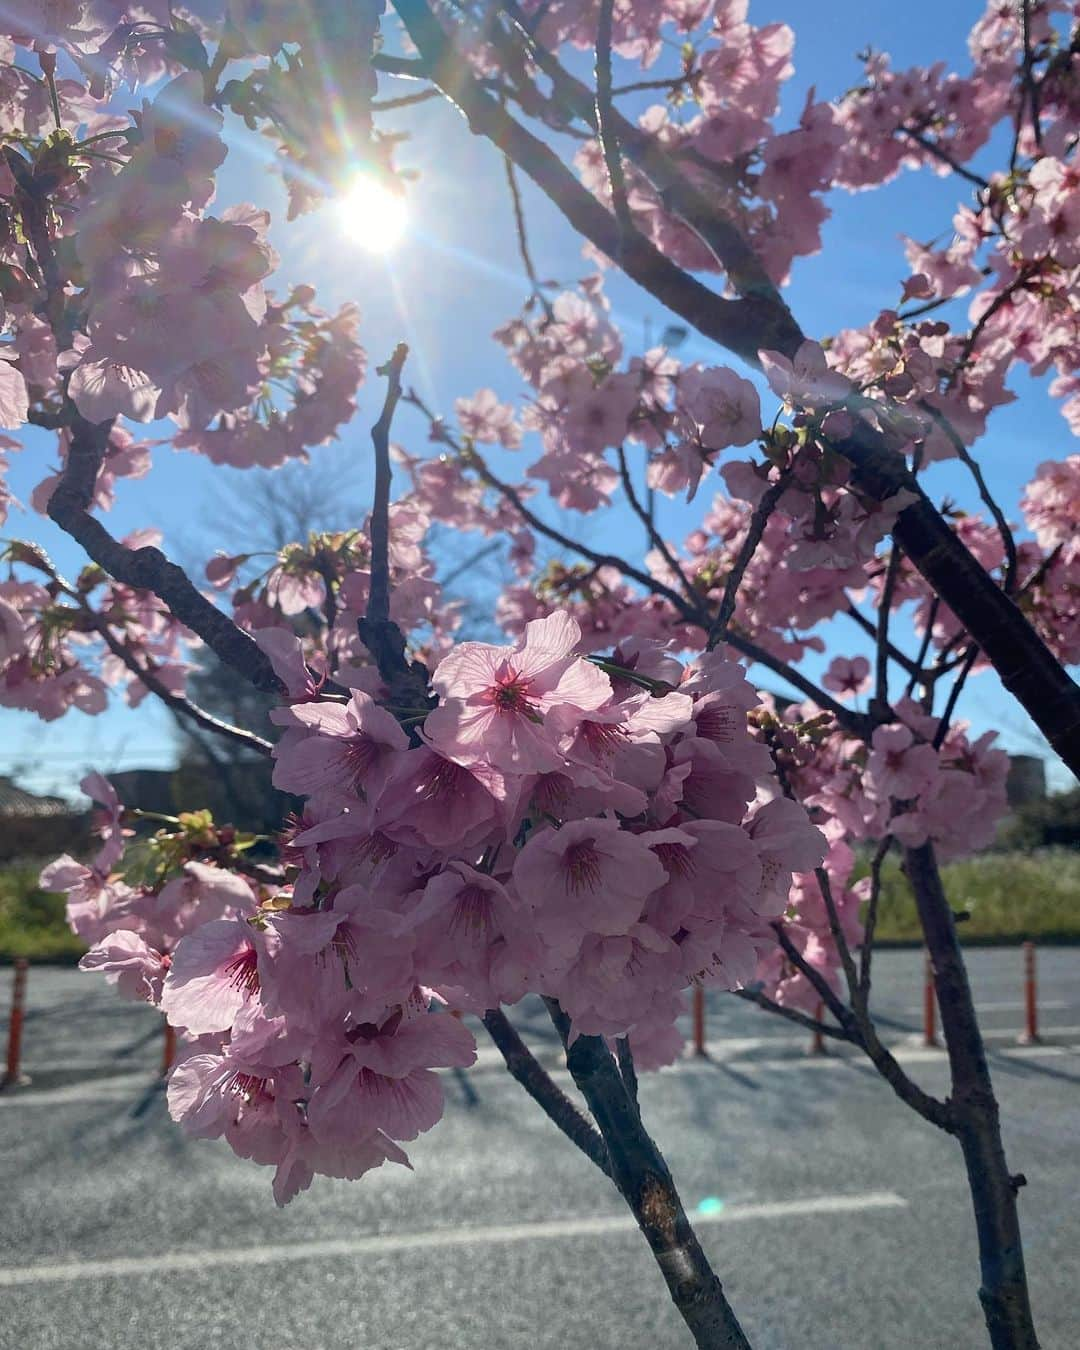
point(817, 1045)
point(929, 1005)
point(168, 1049)
point(1030, 1034)
point(699, 1020)
point(12, 1076)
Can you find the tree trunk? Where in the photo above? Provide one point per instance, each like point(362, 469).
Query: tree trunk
point(1004, 1291)
point(642, 1176)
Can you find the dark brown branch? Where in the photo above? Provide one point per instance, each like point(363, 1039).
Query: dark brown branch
point(1029, 87)
point(147, 569)
point(655, 537)
point(523, 239)
point(861, 1032)
point(641, 261)
point(679, 195)
point(881, 642)
point(954, 695)
point(378, 607)
point(801, 1019)
point(974, 1110)
point(527, 1071)
point(407, 681)
point(822, 987)
point(405, 100)
point(871, 629)
point(1026, 666)
point(918, 674)
point(939, 153)
point(178, 702)
point(840, 942)
point(626, 1067)
point(866, 955)
point(609, 141)
point(645, 1183)
point(758, 521)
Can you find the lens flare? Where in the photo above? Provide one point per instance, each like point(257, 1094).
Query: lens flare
point(372, 215)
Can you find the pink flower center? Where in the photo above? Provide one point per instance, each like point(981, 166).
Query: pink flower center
point(361, 755)
point(243, 971)
point(582, 864)
point(472, 912)
point(249, 1087)
point(716, 723)
point(510, 692)
point(376, 848)
point(677, 860)
point(444, 782)
point(602, 738)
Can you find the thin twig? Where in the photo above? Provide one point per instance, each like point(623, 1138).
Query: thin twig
point(1029, 88)
point(866, 955)
point(178, 702)
point(839, 940)
point(882, 645)
point(752, 995)
point(523, 239)
point(954, 695)
point(918, 674)
point(758, 521)
point(1008, 542)
point(870, 629)
point(932, 148)
point(655, 537)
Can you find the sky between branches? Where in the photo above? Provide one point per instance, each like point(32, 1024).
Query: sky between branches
point(457, 275)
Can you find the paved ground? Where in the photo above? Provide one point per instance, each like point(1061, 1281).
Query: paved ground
point(837, 1219)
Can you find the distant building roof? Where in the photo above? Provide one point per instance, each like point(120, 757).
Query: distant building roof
point(18, 803)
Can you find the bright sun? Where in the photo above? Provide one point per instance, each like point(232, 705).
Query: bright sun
point(372, 215)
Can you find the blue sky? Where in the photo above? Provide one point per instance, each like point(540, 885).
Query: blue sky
point(457, 276)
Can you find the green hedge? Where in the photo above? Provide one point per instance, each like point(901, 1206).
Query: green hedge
point(32, 920)
point(1009, 897)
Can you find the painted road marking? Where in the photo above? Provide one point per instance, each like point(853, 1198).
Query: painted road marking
point(123, 1267)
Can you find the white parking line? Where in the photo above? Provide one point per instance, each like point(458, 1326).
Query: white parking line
point(125, 1266)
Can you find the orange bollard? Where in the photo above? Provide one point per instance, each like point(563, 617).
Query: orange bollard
point(168, 1049)
point(817, 1045)
point(1030, 1034)
point(12, 1075)
point(699, 1021)
point(929, 1006)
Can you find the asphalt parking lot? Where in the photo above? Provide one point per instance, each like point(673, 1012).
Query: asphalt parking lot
point(836, 1218)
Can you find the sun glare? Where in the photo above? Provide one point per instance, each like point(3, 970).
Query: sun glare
point(372, 215)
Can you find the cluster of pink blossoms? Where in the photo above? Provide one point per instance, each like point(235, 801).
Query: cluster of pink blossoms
point(603, 832)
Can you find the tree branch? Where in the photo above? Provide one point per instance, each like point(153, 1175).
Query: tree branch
point(1027, 668)
point(538, 1084)
point(645, 1183)
point(758, 520)
point(604, 118)
point(974, 1110)
point(178, 702)
point(147, 569)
